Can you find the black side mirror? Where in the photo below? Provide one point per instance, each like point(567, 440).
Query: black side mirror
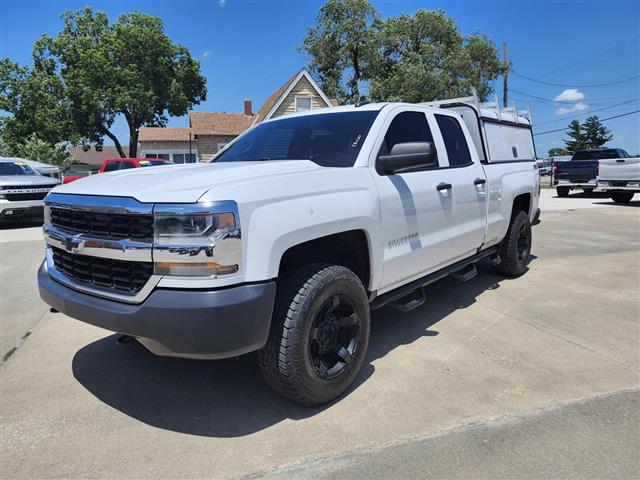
point(407, 155)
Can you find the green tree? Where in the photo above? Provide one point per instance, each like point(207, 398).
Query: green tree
point(558, 152)
point(93, 71)
point(340, 46)
point(577, 140)
point(424, 57)
point(595, 133)
point(34, 148)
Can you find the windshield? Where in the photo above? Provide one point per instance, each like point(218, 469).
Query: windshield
point(596, 154)
point(330, 140)
point(16, 168)
point(153, 163)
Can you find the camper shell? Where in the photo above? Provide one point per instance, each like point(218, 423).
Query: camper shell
point(499, 134)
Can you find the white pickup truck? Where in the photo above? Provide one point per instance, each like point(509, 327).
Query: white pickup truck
point(620, 178)
point(299, 228)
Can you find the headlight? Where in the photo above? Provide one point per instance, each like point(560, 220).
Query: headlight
point(197, 240)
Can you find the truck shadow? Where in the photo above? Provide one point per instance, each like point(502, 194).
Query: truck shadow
point(228, 398)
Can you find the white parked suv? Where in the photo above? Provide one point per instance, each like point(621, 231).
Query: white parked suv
point(299, 228)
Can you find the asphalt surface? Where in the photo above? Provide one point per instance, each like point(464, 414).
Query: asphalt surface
point(594, 438)
point(492, 358)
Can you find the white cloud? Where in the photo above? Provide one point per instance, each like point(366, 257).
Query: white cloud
point(222, 3)
point(206, 53)
point(578, 107)
point(569, 95)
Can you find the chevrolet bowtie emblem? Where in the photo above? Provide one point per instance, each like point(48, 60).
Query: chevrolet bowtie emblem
point(73, 244)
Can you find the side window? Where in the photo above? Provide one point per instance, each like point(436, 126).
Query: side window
point(126, 165)
point(454, 141)
point(406, 127)
point(111, 166)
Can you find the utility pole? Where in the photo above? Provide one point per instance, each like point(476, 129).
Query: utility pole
point(505, 75)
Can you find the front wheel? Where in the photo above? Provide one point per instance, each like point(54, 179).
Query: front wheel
point(319, 334)
point(621, 197)
point(515, 248)
point(563, 191)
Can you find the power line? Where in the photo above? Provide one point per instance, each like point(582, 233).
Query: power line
point(555, 102)
point(565, 117)
point(601, 120)
point(575, 86)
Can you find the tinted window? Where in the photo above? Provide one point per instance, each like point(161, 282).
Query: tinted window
point(454, 141)
point(126, 165)
point(330, 139)
point(406, 127)
point(16, 168)
point(596, 154)
point(111, 166)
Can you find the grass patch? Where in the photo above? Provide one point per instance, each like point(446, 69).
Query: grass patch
point(9, 353)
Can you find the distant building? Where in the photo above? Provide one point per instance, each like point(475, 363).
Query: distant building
point(93, 157)
point(208, 132)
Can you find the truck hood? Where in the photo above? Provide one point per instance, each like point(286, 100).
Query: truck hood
point(182, 183)
point(27, 181)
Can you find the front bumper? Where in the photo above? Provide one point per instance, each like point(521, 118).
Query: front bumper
point(24, 208)
point(203, 324)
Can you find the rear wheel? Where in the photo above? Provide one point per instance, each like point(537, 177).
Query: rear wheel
point(563, 191)
point(621, 197)
point(319, 334)
point(515, 248)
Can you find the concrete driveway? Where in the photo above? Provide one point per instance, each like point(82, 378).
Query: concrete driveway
point(74, 404)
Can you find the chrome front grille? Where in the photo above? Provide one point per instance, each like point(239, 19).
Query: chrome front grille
point(101, 245)
point(122, 276)
point(116, 226)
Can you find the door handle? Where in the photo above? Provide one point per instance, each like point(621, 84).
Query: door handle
point(620, 160)
point(479, 181)
point(443, 186)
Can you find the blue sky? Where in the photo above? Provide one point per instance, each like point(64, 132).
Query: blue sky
point(248, 49)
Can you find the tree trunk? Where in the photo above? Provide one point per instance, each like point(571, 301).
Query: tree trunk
point(133, 142)
point(116, 142)
point(355, 88)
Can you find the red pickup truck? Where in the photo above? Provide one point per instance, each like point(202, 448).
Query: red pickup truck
point(76, 172)
point(113, 164)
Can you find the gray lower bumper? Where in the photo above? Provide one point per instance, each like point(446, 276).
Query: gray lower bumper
point(180, 323)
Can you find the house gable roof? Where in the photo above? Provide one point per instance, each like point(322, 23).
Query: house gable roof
point(161, 134)
point(219, 123)
point(273, 102)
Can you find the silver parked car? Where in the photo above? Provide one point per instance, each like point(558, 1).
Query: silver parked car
point(22, 189)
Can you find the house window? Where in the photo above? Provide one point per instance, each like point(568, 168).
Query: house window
point(184, 158)
point(303, 103)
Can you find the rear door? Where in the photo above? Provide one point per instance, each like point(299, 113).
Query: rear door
point(468, 192)
point(419, 221)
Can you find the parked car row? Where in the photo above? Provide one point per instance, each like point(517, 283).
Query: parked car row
point(22, 189)
point(25, 183)
point(610, 170)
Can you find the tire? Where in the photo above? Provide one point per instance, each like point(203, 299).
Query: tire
point(563, 191)
point(515, 248)
point(621, 197)
point(307, 332)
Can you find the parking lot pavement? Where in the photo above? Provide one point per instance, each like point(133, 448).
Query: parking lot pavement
point(577, 199)
point(21, 250)
point(74, 404)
